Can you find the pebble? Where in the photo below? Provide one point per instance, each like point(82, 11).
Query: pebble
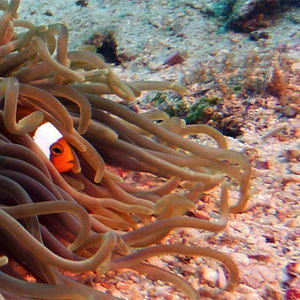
point(295, 168)
point(209, 275)
point(200, 214)
point(123, 286)
point(244, 289)
point(293, 268)
point(290, 178)
point(292, 155)
point(221, 278)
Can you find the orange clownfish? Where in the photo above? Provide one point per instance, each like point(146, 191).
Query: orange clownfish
point(61, 154)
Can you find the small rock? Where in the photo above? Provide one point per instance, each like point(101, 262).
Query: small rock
point(209, 275)
point(249, 15)
point(297, 132)
point(244, 289)
point(48, 13)
point(221, 278)
point(123, 286)
point(262, 164)
point(261, 257)
point(290, 178)
point(292, 155)
point(82, 3)
point(295, 168)
point(293, 268)
point(255, 35)
point(200, 214)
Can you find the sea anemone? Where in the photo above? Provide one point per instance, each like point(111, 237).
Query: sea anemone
point(89, 219)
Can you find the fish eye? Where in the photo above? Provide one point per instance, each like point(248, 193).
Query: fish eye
point(56, 149)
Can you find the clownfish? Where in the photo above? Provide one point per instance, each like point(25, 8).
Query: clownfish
point(61, 156)
point(51, 142)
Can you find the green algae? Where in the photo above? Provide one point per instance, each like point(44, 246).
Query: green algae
point(175, 105)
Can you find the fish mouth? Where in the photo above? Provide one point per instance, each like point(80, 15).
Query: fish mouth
point(72, 161)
